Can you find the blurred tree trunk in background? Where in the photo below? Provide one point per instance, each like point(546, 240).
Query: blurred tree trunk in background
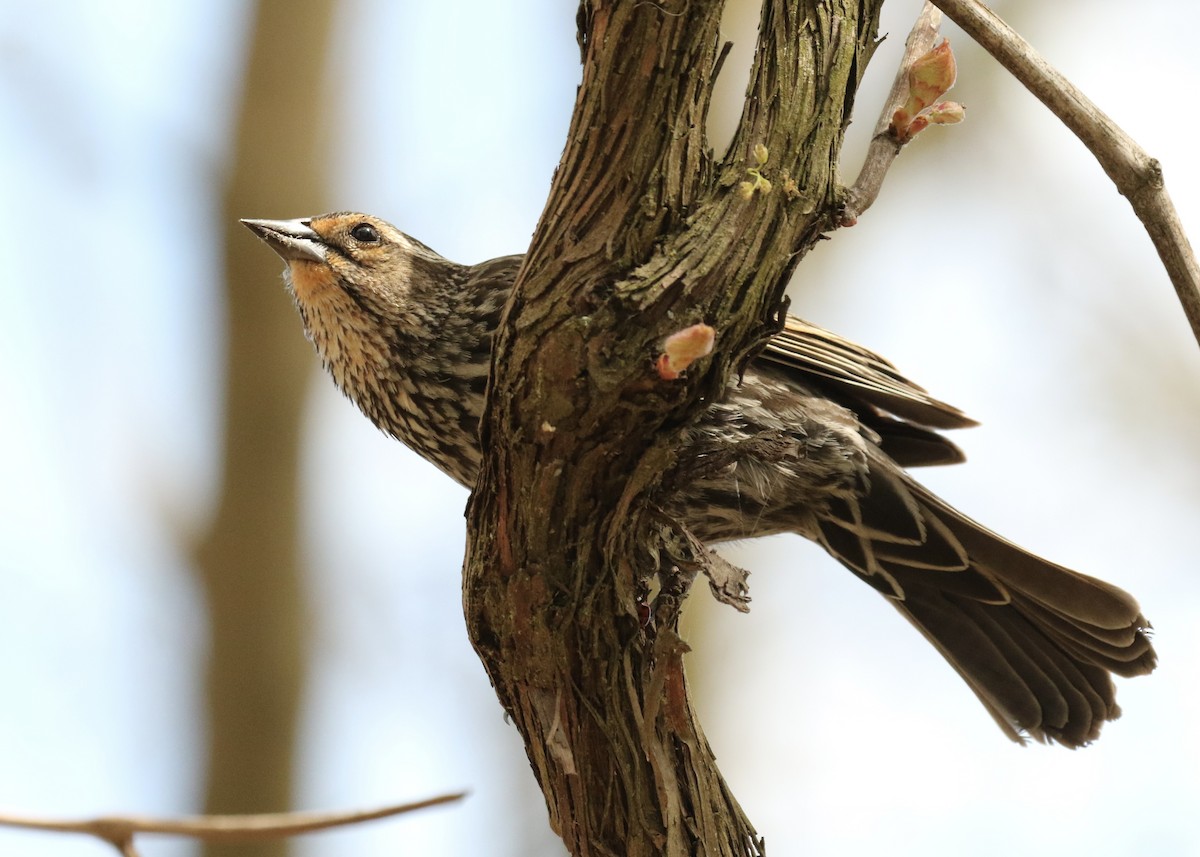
point(249, 560)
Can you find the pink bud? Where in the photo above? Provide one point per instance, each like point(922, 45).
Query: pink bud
point(947, 113)
point(930, 77)
point(916, 126)
point(683, 348)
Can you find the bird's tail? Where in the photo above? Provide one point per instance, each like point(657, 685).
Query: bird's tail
point(1038, 643)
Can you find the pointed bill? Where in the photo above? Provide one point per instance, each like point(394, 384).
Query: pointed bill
point(293, 240)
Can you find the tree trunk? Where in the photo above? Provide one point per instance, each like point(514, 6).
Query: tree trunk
point(645, 233)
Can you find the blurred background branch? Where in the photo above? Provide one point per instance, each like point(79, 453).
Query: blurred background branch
point(249, 559)
point(121, 831)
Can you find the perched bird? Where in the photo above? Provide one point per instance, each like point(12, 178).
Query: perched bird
point(407, 334)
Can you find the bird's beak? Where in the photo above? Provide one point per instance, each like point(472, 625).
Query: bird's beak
point(293, 240)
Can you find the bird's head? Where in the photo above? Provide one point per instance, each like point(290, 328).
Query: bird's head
point(350, 275)
point(404, 332)
point(345, 255)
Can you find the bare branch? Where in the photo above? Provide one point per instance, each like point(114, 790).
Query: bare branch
point(119, 830)
point(1137, 176)
point(885, 146)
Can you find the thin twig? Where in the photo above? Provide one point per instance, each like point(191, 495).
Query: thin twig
point(884, 146)
point(1137, 176)
point(119, 830)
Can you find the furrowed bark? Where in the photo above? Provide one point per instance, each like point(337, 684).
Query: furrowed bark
point(644, 234)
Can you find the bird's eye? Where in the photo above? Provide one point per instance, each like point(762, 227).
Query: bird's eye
point(366, 233)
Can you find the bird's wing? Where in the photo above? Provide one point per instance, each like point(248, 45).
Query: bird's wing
point(859, 374)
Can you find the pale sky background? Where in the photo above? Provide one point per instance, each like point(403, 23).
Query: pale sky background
point(999, 269)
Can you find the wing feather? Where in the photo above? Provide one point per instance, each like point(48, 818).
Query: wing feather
point(859, 374)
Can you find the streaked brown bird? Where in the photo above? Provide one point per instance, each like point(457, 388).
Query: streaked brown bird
point(407, 335)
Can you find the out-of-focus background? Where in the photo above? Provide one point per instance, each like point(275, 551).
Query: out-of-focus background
point(179, 483)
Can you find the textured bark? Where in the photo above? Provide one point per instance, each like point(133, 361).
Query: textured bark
point(645, 233)
point(248, 561)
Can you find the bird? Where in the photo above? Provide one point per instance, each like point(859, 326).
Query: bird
point(406, 334)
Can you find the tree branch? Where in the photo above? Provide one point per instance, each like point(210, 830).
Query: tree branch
point(1138, 177)
point(120, 830)
point(644, 236)
point(884, 146)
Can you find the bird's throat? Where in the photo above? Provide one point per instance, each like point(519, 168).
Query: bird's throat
point(311, 282)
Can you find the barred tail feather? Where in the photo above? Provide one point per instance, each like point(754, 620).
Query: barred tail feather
point(1038, 643)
